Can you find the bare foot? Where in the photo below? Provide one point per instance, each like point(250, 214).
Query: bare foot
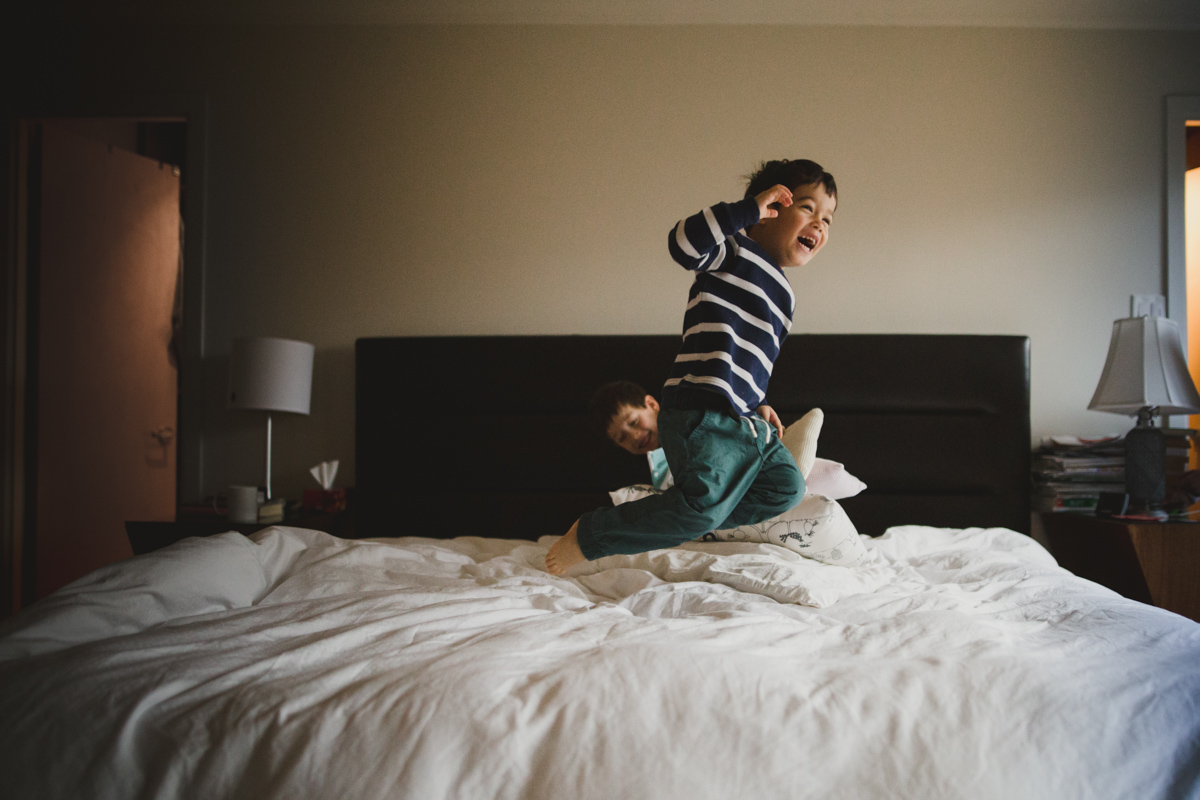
point(565, 553)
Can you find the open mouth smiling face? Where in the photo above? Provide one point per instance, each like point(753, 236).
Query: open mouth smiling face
point(800, 230)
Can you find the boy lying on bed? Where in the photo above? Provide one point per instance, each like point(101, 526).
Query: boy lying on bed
point(720, 440)
point(817, 528)
point(628, 415)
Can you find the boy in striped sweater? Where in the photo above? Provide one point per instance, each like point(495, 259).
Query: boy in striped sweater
point(721, 441)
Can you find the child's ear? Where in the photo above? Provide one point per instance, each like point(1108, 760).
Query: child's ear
point(651, 404)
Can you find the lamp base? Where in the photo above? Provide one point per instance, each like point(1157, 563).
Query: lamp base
point(269, 456)
point(1145, 467)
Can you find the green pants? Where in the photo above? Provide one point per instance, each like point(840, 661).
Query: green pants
point(729, 471)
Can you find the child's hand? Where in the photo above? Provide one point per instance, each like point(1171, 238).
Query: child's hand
point(768, 413)
point(776, 194)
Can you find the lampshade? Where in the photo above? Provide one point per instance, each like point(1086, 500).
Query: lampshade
point(1145, 368)
point(267, 374)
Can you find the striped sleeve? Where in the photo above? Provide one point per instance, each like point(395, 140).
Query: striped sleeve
point(698, 242)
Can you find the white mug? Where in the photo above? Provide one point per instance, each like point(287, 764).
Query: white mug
point(241, 504)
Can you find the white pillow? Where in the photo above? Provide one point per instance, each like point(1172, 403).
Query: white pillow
point(190, 577)
point(830, 479)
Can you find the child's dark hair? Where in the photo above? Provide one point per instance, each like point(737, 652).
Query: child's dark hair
point(609, 398)
point(791, 174)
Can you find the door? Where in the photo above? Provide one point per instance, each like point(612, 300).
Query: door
point(106, 270)
point(1191, 253)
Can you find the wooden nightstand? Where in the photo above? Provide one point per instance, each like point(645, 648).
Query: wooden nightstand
point(1157, 563)
point(145, 537)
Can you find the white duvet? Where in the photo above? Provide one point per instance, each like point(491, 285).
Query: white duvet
point(958, 664)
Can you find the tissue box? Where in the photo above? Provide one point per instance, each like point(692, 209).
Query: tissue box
point(328, 500)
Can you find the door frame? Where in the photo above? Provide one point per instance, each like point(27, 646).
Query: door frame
point(1179, 110)
point(17, 469)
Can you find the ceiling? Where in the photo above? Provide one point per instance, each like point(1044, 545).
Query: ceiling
point(1100, 14)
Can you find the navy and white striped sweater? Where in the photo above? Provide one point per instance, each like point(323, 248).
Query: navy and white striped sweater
point(739, 308)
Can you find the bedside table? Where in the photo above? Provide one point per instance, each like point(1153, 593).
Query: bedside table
point(1156, 563)
point(145, 537)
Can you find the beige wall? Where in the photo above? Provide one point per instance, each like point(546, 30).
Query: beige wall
point(503, 180)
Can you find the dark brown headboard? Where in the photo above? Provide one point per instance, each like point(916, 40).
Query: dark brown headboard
point(488, 436)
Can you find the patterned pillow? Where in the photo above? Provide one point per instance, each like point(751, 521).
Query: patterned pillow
point(627, 494)
point(817, 528)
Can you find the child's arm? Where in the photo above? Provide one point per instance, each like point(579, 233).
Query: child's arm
point(698, 242)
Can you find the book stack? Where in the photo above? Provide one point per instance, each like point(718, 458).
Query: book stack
point(271, 512)
point(1179, 453)
point(1069, 472)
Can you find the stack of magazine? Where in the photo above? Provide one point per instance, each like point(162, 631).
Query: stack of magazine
point(1070, 472)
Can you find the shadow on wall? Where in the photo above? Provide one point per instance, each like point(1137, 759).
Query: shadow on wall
point(235, 441)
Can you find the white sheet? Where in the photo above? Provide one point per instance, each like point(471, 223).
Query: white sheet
point(959, 664)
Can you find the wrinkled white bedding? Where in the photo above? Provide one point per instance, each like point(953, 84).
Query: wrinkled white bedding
point(958, 664)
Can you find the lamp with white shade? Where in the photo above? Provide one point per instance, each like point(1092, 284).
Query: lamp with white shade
point(269, 374)
point(1145, 375)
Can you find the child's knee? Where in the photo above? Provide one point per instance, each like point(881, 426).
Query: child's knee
point(790, 488)
point(701, 521)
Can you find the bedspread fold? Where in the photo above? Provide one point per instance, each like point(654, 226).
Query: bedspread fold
point(958, 663)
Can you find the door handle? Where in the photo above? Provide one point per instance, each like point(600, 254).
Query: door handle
point(164, 434)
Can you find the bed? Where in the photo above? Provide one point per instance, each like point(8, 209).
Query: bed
point(438, 660)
